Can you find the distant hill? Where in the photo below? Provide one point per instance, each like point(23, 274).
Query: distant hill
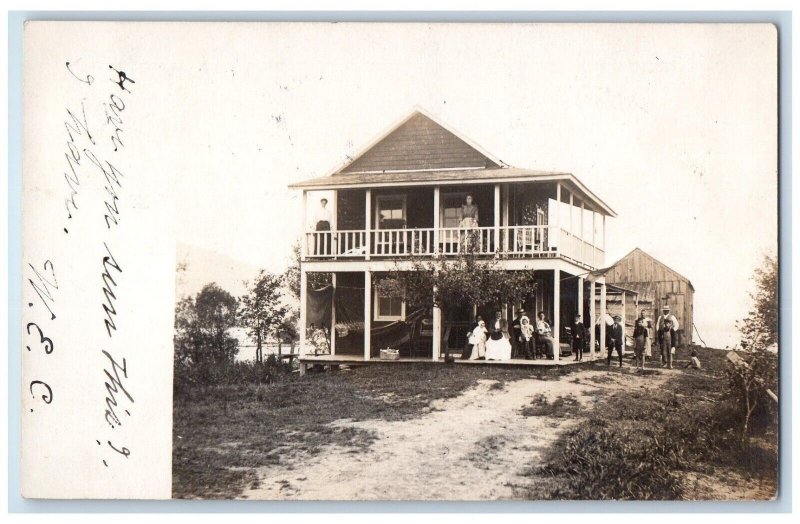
point(204, 266)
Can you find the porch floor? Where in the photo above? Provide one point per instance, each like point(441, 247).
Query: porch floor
point(350, 360)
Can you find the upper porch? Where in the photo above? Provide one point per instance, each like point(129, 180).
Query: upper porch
point(538, 217)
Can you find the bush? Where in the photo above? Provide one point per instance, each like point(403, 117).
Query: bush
point(189, 377)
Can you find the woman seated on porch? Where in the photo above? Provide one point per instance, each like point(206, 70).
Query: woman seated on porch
point(498, 347)
point(544, 335)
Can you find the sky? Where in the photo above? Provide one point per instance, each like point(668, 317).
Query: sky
point(674, 127)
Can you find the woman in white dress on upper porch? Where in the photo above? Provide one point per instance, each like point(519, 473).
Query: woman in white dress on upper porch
point(498, 347)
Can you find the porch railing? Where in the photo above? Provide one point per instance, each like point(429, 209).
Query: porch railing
point(515, 241)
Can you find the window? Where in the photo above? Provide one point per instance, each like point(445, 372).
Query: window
point(451, 209)
point(390, 211)
point(389, 307)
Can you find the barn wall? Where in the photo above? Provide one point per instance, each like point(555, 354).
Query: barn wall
point(655, 282)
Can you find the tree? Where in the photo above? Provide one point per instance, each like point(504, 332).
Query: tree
point(215, 311)
point(261, 309)
point(450, 283)
point(753, 372)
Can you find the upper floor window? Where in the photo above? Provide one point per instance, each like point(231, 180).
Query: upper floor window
point(390, 211)
point(450, 209)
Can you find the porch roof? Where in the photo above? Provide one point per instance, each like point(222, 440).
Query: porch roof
point(453, 177)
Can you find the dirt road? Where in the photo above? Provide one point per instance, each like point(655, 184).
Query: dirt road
point(472, 447)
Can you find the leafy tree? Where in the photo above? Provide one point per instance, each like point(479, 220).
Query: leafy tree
point(450, 283)
point(213, 315)
point(753, 372)
point(261, 309)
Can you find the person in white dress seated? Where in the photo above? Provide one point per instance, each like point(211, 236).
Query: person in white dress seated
point(498, 347)
point(478, 340)
point(545, 335)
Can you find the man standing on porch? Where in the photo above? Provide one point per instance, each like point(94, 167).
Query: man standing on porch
point(615, 339)
point(323, 218)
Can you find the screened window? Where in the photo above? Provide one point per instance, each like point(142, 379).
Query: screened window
point(389, 307)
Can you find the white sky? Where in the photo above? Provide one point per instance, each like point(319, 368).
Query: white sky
point(674, 127)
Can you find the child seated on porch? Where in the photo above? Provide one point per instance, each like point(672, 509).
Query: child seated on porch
point(478, 340)
point(526, 337)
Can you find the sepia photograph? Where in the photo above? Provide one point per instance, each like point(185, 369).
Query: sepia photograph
point(482, 262)
point(375, 261)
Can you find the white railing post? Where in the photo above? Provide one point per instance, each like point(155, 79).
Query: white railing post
point(506, 233)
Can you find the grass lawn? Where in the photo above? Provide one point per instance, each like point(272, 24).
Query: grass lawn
point(641, 446)
point(222, 434)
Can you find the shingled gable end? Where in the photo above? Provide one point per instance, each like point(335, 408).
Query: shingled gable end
point(419, 144)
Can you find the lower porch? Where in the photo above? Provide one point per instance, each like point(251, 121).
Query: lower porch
point(348, 322)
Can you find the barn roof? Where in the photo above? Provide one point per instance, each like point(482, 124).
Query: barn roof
point(644, 288)
point(421, 150)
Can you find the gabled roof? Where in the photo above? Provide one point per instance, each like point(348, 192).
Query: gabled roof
point(654, 259)
point(422, 150)
point(419, 143)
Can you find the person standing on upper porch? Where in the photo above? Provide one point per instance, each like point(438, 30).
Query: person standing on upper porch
point(323, 219)
point(469, 213)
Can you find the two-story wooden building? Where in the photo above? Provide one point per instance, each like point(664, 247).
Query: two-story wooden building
point(402, 197)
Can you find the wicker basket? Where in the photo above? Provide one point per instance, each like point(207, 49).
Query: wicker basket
point(389, 354)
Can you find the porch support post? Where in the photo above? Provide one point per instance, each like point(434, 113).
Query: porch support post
point(436, 343)
point(592, 317)
point(623, 322)
point(497, 217)
point(436, 220)
point(333, 314)
point(367, 224)
point(556, 315)
point(334, 225)
point(579, 308)
point(602, 316)
point(304, 226)
point(506, 232)
point(303, 313)
point(367, 314)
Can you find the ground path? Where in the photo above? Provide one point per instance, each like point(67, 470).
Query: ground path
point(472, 447)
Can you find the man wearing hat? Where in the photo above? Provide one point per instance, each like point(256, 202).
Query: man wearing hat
point(323, 218)
point(615, 338)
point(516, 334)
point(666, 326)
point(578, 337)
